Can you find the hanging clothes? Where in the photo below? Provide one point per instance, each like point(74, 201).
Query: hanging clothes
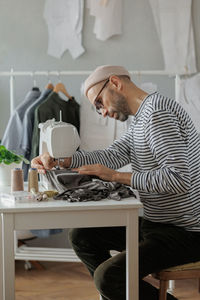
point(49, 109)
point(28, 123)
point(64, 19)
point(174, 27)
point(12, 138)
point(189, 98)
point(108, 17)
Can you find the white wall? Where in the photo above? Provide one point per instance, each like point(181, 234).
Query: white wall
point(23, 36)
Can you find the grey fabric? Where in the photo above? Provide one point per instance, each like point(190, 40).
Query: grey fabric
point(14, 131)
point(96, 190)
point(75, 187)
point(28, 123)
point(65, 179)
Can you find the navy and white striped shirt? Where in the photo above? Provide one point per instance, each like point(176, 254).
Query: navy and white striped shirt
point(163, 148)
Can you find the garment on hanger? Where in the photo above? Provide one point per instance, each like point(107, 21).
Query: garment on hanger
point(108, 17)
point(28, 123)
point(64, 20)
point(49, 109)
point(189, 98)
point(12, 138)
point(174, 27)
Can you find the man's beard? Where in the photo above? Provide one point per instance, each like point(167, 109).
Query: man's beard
point(119, 107)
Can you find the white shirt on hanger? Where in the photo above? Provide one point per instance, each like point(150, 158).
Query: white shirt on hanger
point(64, 19)
point(108, 17)
point(174, 27)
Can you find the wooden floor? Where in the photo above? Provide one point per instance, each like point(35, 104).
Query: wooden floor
point(71, 281)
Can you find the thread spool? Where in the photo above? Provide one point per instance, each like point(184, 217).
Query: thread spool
point(17, 180)
point(33, 179)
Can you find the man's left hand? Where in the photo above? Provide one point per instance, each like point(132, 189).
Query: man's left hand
point(99, 170)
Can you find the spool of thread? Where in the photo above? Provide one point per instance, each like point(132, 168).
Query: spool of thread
point(17, 180)
point(33, 179)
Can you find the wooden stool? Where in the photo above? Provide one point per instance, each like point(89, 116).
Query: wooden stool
point(187, 271)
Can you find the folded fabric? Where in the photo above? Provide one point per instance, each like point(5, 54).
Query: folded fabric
point(75, 187)
point(65, 179)
point(96, 190)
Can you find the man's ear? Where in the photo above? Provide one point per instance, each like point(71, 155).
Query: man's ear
point(115, 82)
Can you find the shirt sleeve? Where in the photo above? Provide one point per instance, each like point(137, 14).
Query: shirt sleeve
point(115, 156)
point(165, 138)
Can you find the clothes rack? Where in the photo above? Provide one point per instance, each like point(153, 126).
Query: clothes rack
point(57, 254)
point(12, 74)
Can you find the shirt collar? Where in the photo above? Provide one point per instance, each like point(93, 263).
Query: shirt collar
point(143, 104)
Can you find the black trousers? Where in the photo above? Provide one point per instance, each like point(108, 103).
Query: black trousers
point(160, 246)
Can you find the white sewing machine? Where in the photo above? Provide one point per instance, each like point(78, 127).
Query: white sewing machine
point(60, 139)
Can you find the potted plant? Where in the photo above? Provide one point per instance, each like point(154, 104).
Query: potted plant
point(8, 161)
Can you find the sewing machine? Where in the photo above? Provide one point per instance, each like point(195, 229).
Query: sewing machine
point(60, 139)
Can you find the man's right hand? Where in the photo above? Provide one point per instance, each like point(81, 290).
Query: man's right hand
point(45, 162)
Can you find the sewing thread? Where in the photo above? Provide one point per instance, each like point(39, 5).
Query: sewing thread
point(33, 179)
point(17, 180)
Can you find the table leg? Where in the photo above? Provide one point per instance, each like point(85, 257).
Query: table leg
point(132, 281)
point(8, 257)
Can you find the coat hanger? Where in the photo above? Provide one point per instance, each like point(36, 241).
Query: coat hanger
point(59, 87)
point(49, 85)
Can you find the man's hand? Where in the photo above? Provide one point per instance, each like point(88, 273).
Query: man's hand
point(99, 170)
point(43, 162)
point(105, 173)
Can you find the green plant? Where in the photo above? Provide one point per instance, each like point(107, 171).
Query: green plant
point(8, 157)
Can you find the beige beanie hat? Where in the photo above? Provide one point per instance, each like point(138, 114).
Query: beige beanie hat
point(102, 73)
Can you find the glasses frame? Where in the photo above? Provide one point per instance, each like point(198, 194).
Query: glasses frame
point(96, 98)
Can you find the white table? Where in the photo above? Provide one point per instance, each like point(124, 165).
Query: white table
point(61, 214)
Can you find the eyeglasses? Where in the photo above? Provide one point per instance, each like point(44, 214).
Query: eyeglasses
point(98, 102)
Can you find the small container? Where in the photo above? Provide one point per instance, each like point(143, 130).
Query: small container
point(33, 179)
point(17, 180)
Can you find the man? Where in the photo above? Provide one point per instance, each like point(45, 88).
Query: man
point(163, 148)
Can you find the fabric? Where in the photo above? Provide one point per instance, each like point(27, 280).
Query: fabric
point(49, 109)
point(160, 246)
point(163, 148)
point(13, 135)
point(96, 190)
point(102, 73)
point(189, 98)
point(75, 187)
point(65, 179)
point(174, 27)
point(28, 123)
point(64, 20)
point(108, 17)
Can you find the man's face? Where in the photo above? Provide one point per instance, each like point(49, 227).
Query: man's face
point(109, 102)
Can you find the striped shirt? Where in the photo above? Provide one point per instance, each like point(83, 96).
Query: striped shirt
point(163, 148)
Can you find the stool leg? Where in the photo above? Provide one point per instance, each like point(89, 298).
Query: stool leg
point(163, 289)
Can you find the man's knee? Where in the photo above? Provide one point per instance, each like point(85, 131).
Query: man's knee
point(101, 278)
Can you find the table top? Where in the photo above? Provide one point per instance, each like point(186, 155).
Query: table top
point(62, 205)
